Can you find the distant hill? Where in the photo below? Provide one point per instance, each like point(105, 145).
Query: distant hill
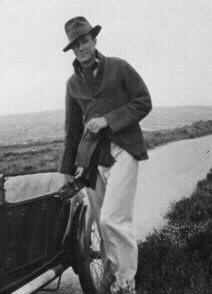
point(49, 125)
point(31, 127)
point(173, 117)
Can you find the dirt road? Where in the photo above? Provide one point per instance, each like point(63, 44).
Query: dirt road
point(171, 173)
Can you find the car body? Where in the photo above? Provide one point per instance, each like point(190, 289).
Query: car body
point(40, 237)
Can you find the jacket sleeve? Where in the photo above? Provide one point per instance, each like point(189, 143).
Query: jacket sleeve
point(139, 101)
point(73, 132)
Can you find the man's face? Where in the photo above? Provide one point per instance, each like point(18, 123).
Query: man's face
point(84, 48)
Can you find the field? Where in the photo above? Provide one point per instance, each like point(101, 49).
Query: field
point(46, 154)
point(49, 126)
point(175, 117)
point(35, 141)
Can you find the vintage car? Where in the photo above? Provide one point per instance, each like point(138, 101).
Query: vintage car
point(42, 235)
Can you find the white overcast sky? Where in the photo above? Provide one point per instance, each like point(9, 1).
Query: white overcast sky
point(169, 42)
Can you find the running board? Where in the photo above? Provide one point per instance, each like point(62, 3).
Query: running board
point(41, 281)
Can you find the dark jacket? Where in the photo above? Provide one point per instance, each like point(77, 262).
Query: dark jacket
point(120, 95)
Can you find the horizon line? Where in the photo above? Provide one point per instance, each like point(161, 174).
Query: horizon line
point(63, 109)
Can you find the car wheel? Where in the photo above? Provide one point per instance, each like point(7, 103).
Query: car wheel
point(90, 270)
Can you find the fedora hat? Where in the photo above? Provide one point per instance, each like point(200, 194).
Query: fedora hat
point(77, 27)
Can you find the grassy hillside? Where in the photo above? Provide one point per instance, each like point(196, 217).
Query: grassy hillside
point(175, 117)
point(31, 127)
point(45, 155)
point(177, 259)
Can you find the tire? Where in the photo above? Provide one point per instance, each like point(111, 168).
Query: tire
point(90, 270)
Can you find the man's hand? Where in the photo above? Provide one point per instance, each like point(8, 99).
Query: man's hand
point(79, 172)
point(96, 124)
point(68, 179)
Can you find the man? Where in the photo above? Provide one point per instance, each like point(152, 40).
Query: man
point(106, 97)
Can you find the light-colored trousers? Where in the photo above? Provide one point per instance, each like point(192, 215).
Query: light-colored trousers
point(112, 204)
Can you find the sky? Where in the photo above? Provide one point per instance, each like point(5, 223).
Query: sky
point(169, 42)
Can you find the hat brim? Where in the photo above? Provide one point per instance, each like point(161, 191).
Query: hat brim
point(94, 31)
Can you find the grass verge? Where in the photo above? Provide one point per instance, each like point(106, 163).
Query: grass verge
point(197, 129)
point(177, 259)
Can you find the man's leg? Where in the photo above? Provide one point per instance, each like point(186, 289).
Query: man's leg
point(116, 218)
point(96, 198)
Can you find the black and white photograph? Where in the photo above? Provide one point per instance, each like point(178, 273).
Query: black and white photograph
point(106, 147)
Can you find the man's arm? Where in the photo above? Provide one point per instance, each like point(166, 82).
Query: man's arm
point(139, 104)
point(73, 132)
